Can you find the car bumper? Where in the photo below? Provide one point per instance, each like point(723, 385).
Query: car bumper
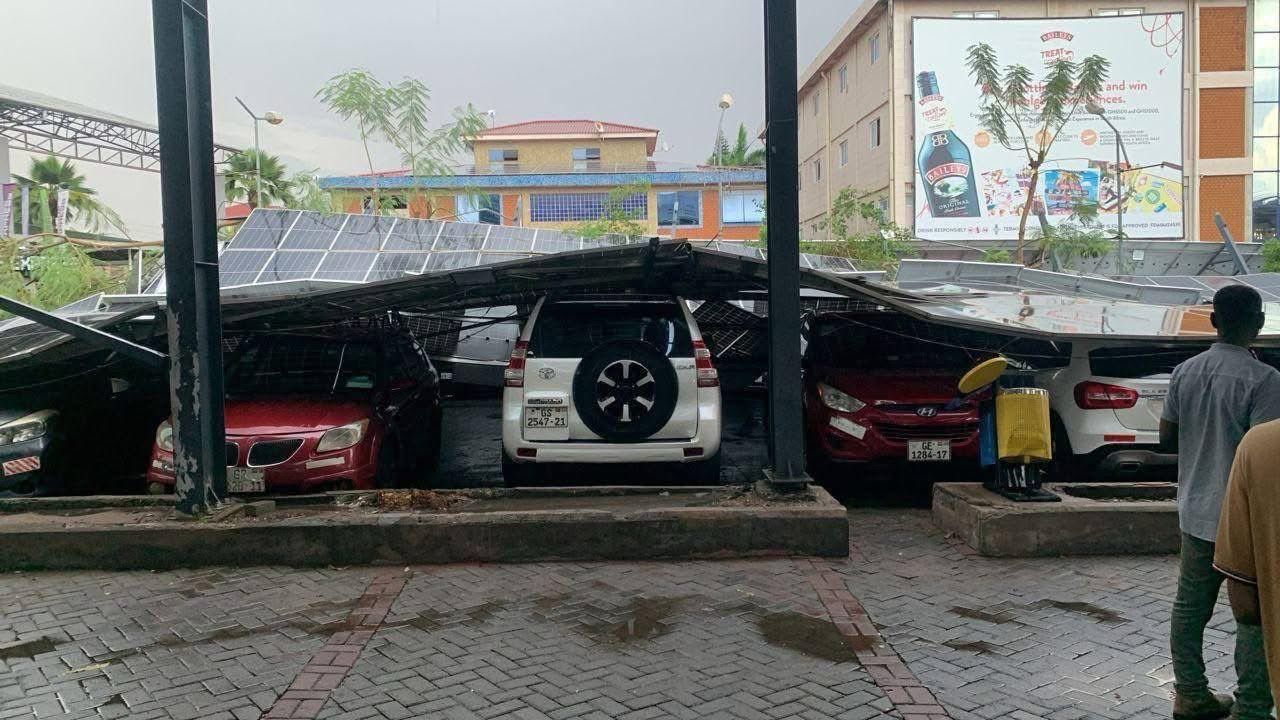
point(25, 467)
point(1128, 463)
point(303, 472)
point(833, 445)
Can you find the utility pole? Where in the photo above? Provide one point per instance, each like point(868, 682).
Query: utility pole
point(184, 108)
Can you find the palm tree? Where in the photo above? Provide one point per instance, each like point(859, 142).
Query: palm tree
point(242, 179)
point(46, 177)
point(738, 155)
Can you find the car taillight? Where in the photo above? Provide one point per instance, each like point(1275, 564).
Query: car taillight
point(708, 376)
point(514, 374)
point(1092, 395)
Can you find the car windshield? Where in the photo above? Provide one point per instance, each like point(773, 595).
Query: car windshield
point(571, 330)
point(886, 346)
point(292, 365)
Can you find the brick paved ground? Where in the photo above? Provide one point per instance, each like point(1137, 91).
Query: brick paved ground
point(1058, 639)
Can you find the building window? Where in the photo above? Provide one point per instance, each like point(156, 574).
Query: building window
point(817, 170)
point(976, 14)
point(1113, 12)
point(874, 133)
point(575, 207)
point(500, 158)
point(843, 75)
point(742, 207)
point(482, 208)
point(875, 48)
point(815, 101)
point(586, 158)
point(883, 204)
point(844, 153)
point(684, 206)
point(1266, 119)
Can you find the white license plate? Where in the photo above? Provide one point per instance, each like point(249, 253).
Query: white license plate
point(929, 450)
point(546, 417)
point(246, 480)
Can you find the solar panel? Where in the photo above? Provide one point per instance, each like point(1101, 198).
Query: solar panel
point(241, 267)
point(393, 265)
point(438, 261)
point(514, 239)
point(345, 266)
point(412, 235)
point(313, 231)
point(462, 236)
point(263, 230)
point(363, 232)
point(555, 242)
point(291, 265)
point(489, 258)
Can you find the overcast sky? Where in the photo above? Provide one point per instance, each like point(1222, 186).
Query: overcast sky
point(656, 63)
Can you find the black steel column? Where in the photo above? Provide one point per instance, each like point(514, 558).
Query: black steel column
point(181, 31)
point(786, 420)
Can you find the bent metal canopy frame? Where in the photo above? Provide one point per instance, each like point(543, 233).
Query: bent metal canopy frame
point(39, 123)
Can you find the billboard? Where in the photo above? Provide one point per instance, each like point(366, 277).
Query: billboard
point(968, 185)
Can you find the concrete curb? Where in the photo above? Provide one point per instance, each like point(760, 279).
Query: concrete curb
point(818, 528)
point(997, 527)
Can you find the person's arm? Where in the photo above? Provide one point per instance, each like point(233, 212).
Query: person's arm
point(1233, 554)
point(1244, 602)
point(1168, 436)
point(1265, 405)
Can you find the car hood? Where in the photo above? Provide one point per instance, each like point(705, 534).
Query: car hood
point(286, 414)
point(908, 387)
point(9, 413)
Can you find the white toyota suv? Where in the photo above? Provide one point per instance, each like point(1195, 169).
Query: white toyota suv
point(611, 379)
point(1106, 405)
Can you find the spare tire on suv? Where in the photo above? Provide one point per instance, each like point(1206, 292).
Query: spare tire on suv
point(625, 390)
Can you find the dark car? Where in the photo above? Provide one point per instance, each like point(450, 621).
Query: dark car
point(310, 412)
point(875, 390)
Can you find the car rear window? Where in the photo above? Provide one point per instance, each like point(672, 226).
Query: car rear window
point(1137, 362)
point(886, 346)
point(571, 330)
point(313, 366)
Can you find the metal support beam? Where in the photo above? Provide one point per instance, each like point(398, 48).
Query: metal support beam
point(181, 35)
point(93, 336)
point(786, 420)
point(1242, 267)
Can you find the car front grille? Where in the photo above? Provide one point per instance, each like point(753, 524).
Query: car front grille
point(905, 433)
point(233, 454)
point(273, 452)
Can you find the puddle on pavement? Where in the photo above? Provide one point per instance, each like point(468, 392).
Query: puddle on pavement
point(643, 619)
point(977, 647)
point(997, 618)
point(28, 649)
point(1101, 614)
point(808, 636)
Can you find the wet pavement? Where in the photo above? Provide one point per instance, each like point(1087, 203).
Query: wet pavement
point(911, 619)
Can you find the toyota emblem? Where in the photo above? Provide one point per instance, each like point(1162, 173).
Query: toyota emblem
point(546, 373)
point(927, 411)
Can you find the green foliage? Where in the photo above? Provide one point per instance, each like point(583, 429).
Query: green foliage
point(305, 193)
point(737, 155)
point(617, 220)
point(85, 210)
point(399, 114)
point(1023, 120)
point(59, 274)
point(862, 232)
point(1271, 255)
point(1079, 236)
point(997, 255)
point(241, 179)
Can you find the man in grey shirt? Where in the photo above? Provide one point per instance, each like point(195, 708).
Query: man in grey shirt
point(1214, 398)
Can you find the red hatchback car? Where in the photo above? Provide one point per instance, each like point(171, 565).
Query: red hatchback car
point(874, 391)
point(315, 413)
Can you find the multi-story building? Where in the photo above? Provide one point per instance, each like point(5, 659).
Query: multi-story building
point(557, 173)
point(856, 124)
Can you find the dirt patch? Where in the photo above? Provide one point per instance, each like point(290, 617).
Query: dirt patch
point(806, 635)
point(417, 500)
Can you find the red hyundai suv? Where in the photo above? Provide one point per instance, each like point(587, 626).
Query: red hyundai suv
point(311, 412)
point(875, 391)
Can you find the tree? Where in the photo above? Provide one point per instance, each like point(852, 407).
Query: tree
point(51, 275)
point(616, 218)
point(305, 193)
point(738, 155)
point(242, 179)
point(1079, 236)
point(862, 232)
point(46, 177)
point(1028, 118)
point(398, 113)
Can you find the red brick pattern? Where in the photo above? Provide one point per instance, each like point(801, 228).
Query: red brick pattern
point(1222, 123)
point(1222, 38)
point(909, 696)
point(330, 664)
point(1224, 194)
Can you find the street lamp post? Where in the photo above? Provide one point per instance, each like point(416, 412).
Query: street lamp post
point(272, 118)
point(1096, 109)
point(726, 102)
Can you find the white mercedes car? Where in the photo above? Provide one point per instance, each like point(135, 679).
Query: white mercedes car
point(611, 380)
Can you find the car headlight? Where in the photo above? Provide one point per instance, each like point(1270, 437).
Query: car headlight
point(28, 427)
point(837, 400)
point(164, 436)
point(342, 437)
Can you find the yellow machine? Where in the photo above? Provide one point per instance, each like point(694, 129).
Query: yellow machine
point(1014, 437)
point(1022, 426)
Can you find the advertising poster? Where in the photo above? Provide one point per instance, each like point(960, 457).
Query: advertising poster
point(6, 209)
point(969, 185)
